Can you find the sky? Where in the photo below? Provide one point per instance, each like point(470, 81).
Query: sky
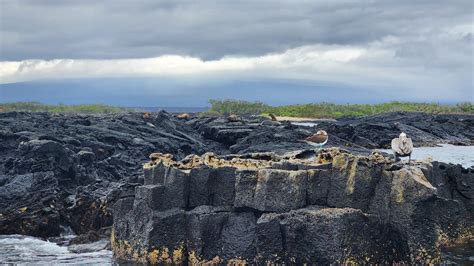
point(182, 53)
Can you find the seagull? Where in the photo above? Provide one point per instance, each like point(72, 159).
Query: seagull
point(318, 140)
point(402, 147)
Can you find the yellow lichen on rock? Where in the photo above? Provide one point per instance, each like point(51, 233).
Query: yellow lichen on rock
point(157, 157)
point(112, 237)
point(194, 259)
point(328, 155)
point(237, 262)
point(398, 188)
point(351, 176)
point(215, 261)
point(341, 161)
point(136, 256)
point(178, 255)
point(463, 235)
point(346, 164)
point(399, 195)
point(350, 261)
point(165, 256)
point(423, 255)
point(377, 157)
point(191, 161)
point(211, 160)
point(153, 256)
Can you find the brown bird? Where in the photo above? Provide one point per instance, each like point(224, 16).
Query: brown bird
point(402, 147)
point(233, 118)
point(273, 117)
point(318, 140)
point(185, 116)
point(146, 115)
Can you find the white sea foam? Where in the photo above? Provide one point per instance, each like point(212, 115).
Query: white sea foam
point(305, 124)
point(17, 249)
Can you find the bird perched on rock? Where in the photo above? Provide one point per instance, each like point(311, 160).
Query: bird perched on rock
point(318, 140)
point(184, 116)
point(273, 117)
point(402, 147)
point(146, 115)
point(233, 118)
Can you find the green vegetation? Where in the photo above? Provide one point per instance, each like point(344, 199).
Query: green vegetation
point(61, 108)
point(227, 107)
point(330, 110)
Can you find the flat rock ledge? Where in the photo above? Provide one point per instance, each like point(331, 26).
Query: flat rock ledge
point(264, 208)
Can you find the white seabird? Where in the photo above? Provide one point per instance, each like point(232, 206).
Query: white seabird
point(402, 147)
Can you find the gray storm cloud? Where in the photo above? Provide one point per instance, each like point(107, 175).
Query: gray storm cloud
point(376, 44)
point(37, 29)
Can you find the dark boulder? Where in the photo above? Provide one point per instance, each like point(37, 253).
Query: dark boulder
point(216, 235)
point(326, 236)
point(84, 157)
point(271, 190)
point(29, 205)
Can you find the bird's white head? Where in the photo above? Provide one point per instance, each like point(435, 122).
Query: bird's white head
point(322, 132)
point(403, 136)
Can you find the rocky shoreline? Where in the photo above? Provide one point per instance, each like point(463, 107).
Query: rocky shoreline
point(271, 209)
point(68, 170)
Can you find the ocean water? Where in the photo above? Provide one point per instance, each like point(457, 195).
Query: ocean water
point(463, 155)
point(305, 124)
point(18, 249)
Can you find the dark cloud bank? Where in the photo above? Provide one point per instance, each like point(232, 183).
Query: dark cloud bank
point(435, 36)
point(213, 29)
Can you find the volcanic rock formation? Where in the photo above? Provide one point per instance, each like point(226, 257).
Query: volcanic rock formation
point(268, 208)
point(67, 170)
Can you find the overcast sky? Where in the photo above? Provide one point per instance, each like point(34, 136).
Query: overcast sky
point(421, 49)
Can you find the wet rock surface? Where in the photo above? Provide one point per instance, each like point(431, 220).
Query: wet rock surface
point(335, 208)
point(69, 170)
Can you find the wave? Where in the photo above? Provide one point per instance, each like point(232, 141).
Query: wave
point(20, 249)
